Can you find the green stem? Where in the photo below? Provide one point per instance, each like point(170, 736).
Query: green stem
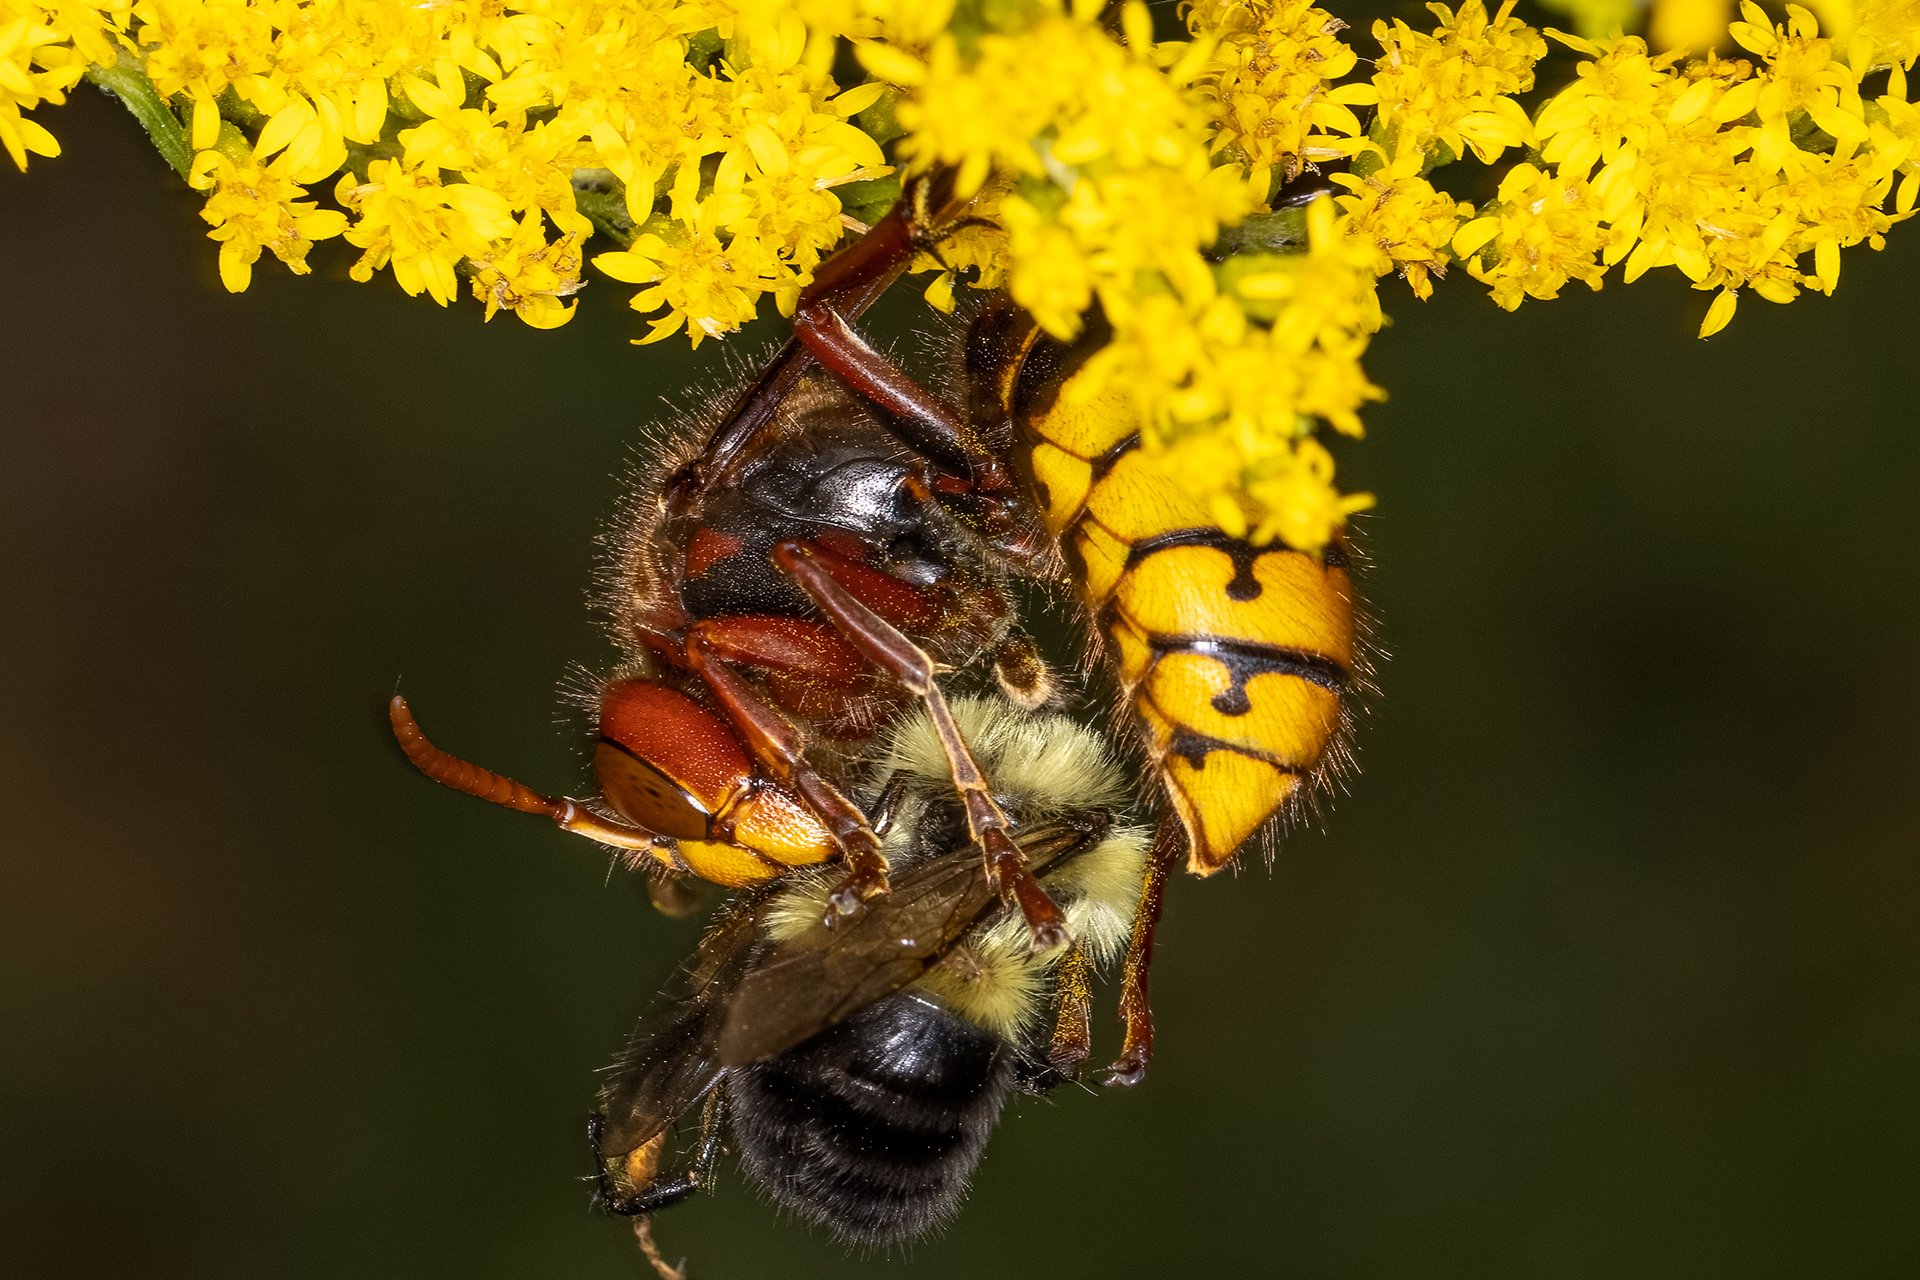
point(606, 207)
point(128, 82)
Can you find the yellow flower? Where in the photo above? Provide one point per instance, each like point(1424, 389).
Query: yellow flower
point(705, 285)
point(36, 66)
point(200, 48)
point(1049, 274)
point(420, 227)
point(1543, 232)
point(453, 135)
point(1409, 223)
point(1894, 137)
point(1616, 105)
point(1226, 399)
point(1454, 87)
point(1885, 33)
point(311, 134)
point(712, 139)
point(530, 275)
point(254, 207)
point(988, 113)
point(1802, 75)
point(1268, 80)
point(1296, 489)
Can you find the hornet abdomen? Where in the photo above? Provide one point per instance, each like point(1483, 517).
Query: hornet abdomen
point(1238, 660)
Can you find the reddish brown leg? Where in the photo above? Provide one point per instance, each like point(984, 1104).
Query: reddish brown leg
point(887, 648)
point(927, 424)
point(848, 283)
point(968, 466)
point(1136, 1012)
point(778, 743)
point(792, 646)
point(497, 788)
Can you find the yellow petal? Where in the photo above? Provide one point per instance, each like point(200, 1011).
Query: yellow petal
point(202, 174)
point(856, 100)
point(628, 268)
point(1826, 264)
point(545, 313)
point(321, 224)
point(939, 294)
point(768, 151)
point(236, 270)
point(1844, 126)
point(886, 63)
point(1474, 236)
point(206, 124)
point(36, 139)
point(426, 96)
point(1719, 313)
point(283, 127)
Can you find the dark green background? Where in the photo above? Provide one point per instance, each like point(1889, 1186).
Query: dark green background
point(1606, 966)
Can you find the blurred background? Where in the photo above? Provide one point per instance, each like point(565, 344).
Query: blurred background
point(1606, 965)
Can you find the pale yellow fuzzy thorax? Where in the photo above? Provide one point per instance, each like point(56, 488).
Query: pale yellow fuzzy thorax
point(1040, 765)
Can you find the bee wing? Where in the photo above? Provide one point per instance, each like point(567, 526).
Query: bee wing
point(823, 976)
point(672, 1062)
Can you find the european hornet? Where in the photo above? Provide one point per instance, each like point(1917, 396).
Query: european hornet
point(840, 538)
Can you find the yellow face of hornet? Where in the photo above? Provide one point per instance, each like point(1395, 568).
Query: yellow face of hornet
point(1237, 660)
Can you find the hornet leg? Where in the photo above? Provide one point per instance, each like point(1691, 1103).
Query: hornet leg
point(1136, 1012)
point(886, 647)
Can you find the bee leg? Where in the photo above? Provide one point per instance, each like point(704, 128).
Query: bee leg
point(888, 803)
point(474, 780)
point(886, 647)
point(779, 744)
point(642, 1186)
point(1073, 1023)
point(1071, 1039)
point(1136, 1011)
point(1022, 674)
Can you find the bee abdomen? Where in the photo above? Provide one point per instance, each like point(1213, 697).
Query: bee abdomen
point(874, 1126)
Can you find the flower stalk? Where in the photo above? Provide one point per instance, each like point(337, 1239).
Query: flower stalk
point(127, 80)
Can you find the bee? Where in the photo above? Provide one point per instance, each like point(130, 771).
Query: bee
point(861, 1068)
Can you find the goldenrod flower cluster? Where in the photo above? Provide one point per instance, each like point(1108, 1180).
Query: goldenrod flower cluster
point(470, 137)
point(1731, 171)
point(479, 145)
point(1111, 194)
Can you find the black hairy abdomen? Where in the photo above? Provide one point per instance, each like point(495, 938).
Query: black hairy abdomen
point(874, 1127)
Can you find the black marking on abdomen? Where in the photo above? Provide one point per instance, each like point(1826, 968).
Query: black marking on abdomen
point(1245, 659)
point(1107, 461)
point(1050, 364)
point(1194, 748)
point(1243, 586)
